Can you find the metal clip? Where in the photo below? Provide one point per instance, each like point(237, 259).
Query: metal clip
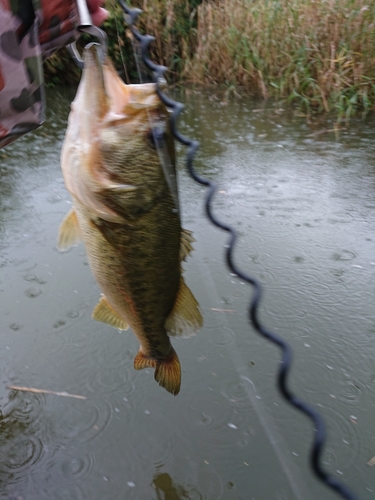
point(86, 27)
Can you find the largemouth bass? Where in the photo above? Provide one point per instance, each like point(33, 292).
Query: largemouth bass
point(125, 210)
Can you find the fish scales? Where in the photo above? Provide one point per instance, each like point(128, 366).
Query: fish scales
point(126, 214)
point(141, 275)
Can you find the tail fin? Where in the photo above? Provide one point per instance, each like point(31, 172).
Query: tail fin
point(167, 372)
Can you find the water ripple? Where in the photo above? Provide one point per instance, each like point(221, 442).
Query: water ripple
point(85, 421)
point(224, 336)
point(343, 255)
point(24, 407)
point(60, 336)
point(21, 452)
point(212, 319)
point(116, 375)
point(112, 378)
point(209, 412)
point(235, 391)
point(33, 292)
point(160, 445)
point(316, 365)
point(345, 429)
point(33, 278)
point(20, 441)
point(56, 492)
point(72, 467)
point(351, 392)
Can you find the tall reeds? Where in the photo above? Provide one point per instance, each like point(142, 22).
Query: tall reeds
point(172, 23)
point(320, 53)
point(317, 53)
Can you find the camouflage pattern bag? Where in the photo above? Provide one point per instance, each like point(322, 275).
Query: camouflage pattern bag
point(30, 31)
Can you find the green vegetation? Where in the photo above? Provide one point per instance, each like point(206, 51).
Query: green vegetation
point(319, 54)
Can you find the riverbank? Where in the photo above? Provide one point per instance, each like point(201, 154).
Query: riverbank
point(317, 54)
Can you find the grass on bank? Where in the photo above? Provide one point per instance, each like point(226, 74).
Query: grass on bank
point(319, 54)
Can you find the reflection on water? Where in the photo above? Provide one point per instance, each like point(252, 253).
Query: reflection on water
point(304, 206)
point(167, 489)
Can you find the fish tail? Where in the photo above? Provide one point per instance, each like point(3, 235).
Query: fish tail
point(167, 372)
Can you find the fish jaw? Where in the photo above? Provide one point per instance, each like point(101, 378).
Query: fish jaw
point(109, 125)
point(81, 161)
point(91, 103)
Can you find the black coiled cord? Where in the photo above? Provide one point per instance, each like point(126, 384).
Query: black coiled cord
point(286, 351)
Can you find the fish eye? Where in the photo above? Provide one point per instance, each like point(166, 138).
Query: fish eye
point(156, 137)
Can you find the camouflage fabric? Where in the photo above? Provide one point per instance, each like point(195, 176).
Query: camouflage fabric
point(59, 21)
point(30, 30)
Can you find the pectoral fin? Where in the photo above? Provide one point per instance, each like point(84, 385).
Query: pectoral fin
point(185, 318)
point(186, 246)
point(105, 313)
point(106, 229)
point(69, 233)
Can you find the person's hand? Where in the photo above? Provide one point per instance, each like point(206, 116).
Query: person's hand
point(98, 14)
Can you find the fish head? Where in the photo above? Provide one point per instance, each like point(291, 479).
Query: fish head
point(118, 155)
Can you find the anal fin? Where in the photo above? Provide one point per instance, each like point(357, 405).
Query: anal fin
point(141, 361)
point(185, 318)
point(69, 233)
point(105, 313)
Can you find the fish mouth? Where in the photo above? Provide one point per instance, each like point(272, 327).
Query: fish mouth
point(107, 96)
point(92, 98)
